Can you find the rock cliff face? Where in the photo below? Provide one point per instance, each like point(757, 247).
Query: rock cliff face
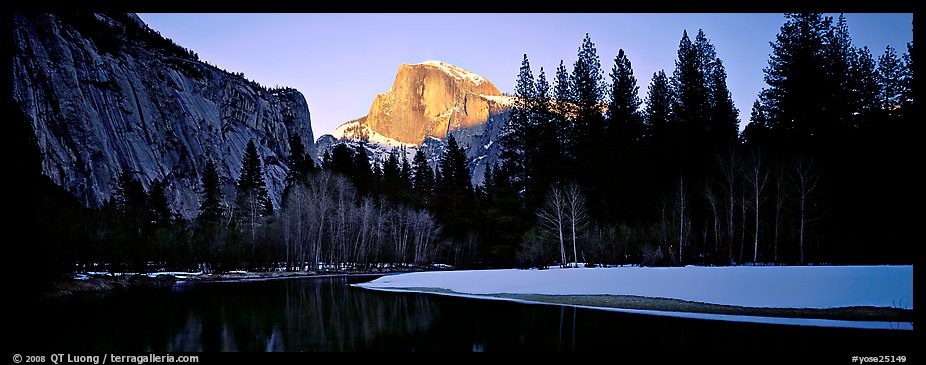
point(106, 93)
point(426, 102)
point(428, 99)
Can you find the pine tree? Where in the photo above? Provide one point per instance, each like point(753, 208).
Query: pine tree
point(210, 206)
point(342, 160)
point(454, 202)
point(158, 206)
point(252, 202)
point(890, 78)
point(587, 95)
point(129, 195)
point(589, 146)
point(327, 162)
point(687, 85)
point(297, 163)
point(563, 105)
point(864, 89)
point(405, 174)
point(543, 150)
point(798, 96)
point(624, 119)
point(454, 167)
point(423, 183)
point(907, 100)
point(519, 127)
point(391, 176)
point(838, 55)
point(659, 101)
point(724, 124)
point(363, 174)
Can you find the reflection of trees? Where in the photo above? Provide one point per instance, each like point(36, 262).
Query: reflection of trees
point(295, 315)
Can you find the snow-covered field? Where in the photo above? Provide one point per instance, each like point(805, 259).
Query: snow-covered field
point(770, 287)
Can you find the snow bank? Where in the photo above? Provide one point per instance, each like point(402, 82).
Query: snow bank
point(770, 287)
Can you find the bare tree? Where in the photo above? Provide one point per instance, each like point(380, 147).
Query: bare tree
point(577, 213)
point(681, 205)
point(756, 178)
point(781, 177)
point(728, 167)
point(713, 201)
point(805, 179)
point(552, 216)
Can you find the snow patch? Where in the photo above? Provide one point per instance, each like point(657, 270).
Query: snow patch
point(372, 136)
point(768, 287)
point(499, 99)
point(457, 72)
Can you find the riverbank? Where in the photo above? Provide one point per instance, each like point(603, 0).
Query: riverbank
point(836, 296)
point(101, 282)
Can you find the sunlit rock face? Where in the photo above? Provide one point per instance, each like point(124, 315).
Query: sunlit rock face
point(427, 101)
point(105, 93)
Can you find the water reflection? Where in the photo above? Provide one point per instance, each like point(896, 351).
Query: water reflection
point(326, 314)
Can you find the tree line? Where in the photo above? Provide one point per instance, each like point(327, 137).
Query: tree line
point(588, 172)
point(591, 173)
point(328, 219)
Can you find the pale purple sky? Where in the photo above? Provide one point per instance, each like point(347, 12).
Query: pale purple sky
point(341, 61)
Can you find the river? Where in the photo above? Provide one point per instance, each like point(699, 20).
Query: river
point(327, 314)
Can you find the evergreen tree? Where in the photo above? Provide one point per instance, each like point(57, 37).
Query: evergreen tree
point(688, 85)
point(543, 150)
point(588, 127)
point(342, 160)
point(392, 176)
point(423, 184)
point(327, 162)
point(251, 200)
point(624, 119)
point(724, 124)
point(659, 101)
point(519, 127)
point(455, 203)
point(158, 206)
point(907, 100)
point(454, 168)
point(129, 196)
point(890, 78)
point(210, 206)
point(838, 55)
point(363, 174)
point(405, 174)
point(132, 221)
point(563, 105)
point(864, 89)
point(758, 132)
point(798, 96)
point(298, 162)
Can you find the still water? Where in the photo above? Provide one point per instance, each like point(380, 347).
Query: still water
point(327, 314)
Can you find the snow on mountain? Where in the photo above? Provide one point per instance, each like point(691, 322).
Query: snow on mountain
point(426, 102)
point(457, 72)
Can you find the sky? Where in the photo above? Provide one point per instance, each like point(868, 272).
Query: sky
point(341, 61)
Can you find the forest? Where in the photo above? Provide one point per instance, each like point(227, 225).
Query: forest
point(817, 176)
point(589, 172)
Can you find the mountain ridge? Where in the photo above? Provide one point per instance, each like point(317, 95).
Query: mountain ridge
point(426, 102)
point(105, 93)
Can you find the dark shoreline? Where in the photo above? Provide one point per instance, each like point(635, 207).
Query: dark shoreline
point(104, 283)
